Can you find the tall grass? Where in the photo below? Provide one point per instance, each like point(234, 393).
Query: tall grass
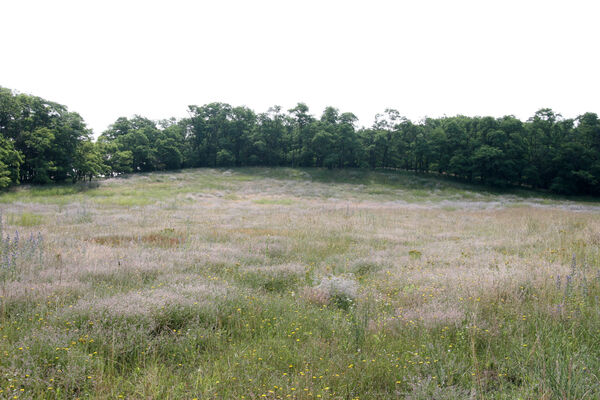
point(306, 284)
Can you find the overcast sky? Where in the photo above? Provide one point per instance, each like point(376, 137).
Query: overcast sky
point(106, 59)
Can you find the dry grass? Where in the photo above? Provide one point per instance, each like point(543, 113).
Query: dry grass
point(127, 249)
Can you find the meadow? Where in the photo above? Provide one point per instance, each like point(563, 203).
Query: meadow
point(260, 283)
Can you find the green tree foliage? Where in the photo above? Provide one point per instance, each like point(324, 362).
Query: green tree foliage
point(88, 161)
point(139, 144)
point(37, 148)
point(41, 142)
point(10, 163)
point(116, 161)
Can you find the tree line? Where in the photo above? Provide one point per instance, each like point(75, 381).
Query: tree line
point(43, 142)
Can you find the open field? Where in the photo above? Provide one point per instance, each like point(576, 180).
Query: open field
point(307, 284)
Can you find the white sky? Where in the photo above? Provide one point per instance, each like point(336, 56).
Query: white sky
point(106, 59)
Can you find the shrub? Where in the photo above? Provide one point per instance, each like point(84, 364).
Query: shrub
point(338, 290)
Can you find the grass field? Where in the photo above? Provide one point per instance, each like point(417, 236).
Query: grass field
point(306, 284)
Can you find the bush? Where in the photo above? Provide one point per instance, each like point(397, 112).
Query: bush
point(338, 290)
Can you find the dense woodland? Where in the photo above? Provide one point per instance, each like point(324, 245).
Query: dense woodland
point(42, 142)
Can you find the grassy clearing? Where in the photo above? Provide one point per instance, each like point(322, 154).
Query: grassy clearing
point(307, 284)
